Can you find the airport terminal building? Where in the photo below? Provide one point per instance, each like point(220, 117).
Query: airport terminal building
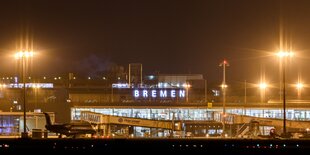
point(176, 98)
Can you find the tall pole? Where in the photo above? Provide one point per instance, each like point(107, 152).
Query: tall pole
point(24, 134)
point(244, 91)
point(129, 78)
point(206, 92)
point(224, 90)
point(224, 64)
point(284, 106)
point(112, 96)
point(187, 85)
point(283, 57)
point(224, 97)
point(187, 93)
point(243, 112)
point(141, 82)
point(23, 56)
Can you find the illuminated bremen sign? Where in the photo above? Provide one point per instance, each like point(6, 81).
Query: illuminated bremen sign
point(159, 93)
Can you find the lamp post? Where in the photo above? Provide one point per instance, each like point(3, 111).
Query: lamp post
point(23, 56)
point(243, 108)
point(224, 86)
point(283, 55)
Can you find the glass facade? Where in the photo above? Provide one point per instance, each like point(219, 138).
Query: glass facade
point(147, 113)
point(192, 113)
point(9, 125)
point(12, 123)
point(291, 114)
point(200, 122)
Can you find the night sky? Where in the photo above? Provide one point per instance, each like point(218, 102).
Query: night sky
point(166, 36)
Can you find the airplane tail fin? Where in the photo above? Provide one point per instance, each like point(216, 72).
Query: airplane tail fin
point(48, 119)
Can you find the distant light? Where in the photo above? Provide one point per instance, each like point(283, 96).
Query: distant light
point(74, 78)
point(55, 78)
point(299, 85)
point(120, 85)
point(89, 78)
point(18, 107)
point(119, 78)
point(2, 85)
point(165, 85)
point(224, 86)
point(15, 79)
point(29, 77)
point(36, 86)
point(151, 77)
point(224, 63)
point(37, 110)
point(262, 85)
point(44, 77)
point(59, 77)
point(186, 85)
point(104, 78)
point(285, 54)
point(24, 54)
point(216, 92)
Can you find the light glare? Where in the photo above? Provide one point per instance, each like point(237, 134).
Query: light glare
point(285, 54)
point(262, 85)
point(22, 54)
point(299, 85)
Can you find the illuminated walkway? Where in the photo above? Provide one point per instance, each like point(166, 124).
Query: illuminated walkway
point(97, 118)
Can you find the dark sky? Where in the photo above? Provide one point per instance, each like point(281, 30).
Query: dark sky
point(169, 36)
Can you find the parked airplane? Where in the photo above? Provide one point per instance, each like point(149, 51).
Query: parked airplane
point(73, 129)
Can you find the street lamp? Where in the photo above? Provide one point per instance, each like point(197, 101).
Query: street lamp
point(24, 56)
point(283, 55)
point(224, 86)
